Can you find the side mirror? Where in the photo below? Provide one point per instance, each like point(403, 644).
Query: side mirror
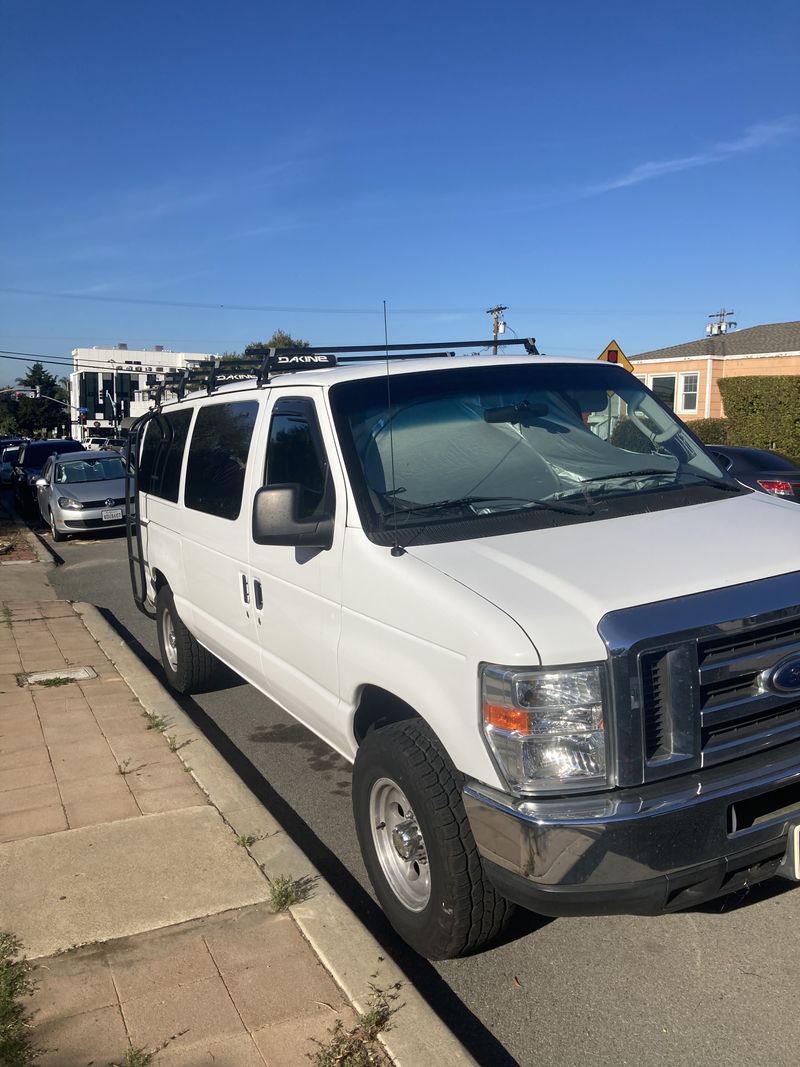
point(276, 522)
point(41, 483)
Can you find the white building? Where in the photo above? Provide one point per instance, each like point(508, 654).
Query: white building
point(107, 378)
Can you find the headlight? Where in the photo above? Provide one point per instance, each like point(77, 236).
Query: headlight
point(69, 502)
point(546, 728)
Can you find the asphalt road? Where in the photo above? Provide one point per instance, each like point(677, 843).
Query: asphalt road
point(716, 985)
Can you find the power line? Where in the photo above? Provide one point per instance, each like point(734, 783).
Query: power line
point(38, 357)
point(287, 310)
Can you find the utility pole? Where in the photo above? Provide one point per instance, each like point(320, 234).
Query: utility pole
point(721, 325)
point(498, 326)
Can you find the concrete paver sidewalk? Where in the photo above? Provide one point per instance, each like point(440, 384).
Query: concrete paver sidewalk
point(105, 837)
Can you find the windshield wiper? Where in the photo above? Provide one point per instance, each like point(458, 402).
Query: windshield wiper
point(677, 475)
point(645, 471)
point(465, 501)
point(716, 483)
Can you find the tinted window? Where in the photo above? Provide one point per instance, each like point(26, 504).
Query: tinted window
point(162, 455)
point(754, 459)
point(218, 458)
point(295, 453)
point(36, 454)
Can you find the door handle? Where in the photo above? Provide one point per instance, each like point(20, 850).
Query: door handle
point(245, 589)
point(258, 594)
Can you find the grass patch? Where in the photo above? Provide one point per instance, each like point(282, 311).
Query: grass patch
point(136, 1057)
point(246, 840)
point(359, 1047)
point(52, 683)
point(155, 722)
point(125, 767)
point(16, 983)
point(283, 892)
point(7, 616)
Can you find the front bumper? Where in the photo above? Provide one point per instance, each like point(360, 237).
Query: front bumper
point(641, 850)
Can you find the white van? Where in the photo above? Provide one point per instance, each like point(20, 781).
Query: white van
point(559, 644)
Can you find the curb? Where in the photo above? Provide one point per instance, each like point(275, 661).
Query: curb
point(351, 954)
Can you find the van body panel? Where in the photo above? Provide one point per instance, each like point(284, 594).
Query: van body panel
point(300, 589)
point(422, 635)
point(559, 583)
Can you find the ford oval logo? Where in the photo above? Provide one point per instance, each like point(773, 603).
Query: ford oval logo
point(784, 677)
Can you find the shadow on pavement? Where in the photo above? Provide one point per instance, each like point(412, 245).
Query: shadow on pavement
point(478, 1040)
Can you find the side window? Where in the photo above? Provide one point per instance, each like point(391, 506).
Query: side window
point(295, 453)
point(218, 458)
point(47, 468)
point(162, 455)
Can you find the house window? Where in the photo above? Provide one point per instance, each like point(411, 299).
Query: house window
point(663, 385)
point(689, 385)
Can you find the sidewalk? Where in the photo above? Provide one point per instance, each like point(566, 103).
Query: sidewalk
point(135, 867)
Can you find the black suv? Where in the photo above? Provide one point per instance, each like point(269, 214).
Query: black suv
point(31, 458)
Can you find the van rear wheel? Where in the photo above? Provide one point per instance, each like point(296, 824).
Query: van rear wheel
point(417, 844)
point(189, 667)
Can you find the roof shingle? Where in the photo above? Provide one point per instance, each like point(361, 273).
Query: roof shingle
point(772, 337)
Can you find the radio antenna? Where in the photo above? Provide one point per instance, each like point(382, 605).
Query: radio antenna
point(397, 549)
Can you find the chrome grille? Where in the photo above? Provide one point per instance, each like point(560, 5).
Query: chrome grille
point(737, 714)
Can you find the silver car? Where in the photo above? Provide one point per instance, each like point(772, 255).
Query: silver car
point(80, 492)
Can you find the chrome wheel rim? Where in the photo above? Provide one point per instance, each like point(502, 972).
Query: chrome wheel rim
point(399, 844)
point(170, 641)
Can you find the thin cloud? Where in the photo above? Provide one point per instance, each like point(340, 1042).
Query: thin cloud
point(761, 135)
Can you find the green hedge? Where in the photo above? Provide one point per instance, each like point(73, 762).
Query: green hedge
point(711, 431)
point(763, 412)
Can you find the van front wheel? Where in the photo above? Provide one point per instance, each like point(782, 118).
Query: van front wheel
point(189, 667)
point(417, 844)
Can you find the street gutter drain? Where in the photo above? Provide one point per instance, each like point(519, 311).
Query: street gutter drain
point(74, 674)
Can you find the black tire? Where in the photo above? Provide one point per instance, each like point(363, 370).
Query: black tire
point(463, 912)
point(189, 667)
point(57, 535)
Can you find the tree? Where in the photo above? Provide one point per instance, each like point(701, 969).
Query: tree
point(38, 376)
point(280, 339)
point(36, 416)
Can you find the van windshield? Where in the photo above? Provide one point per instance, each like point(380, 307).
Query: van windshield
point(473, 442)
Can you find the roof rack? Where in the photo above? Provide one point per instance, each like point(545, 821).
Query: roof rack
point(272, 361)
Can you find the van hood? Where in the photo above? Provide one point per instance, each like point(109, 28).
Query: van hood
point(558, 583)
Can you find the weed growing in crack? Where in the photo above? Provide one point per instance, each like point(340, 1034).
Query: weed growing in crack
point(283, 892)
point(155, 722)
point(16, 983)
point(359, 1047)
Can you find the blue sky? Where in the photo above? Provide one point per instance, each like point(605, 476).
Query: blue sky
point(617, 170)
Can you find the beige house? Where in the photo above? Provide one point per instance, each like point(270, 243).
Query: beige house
point(686, 377)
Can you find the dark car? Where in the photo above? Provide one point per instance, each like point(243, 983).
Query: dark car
point(31, 458)
point(768, 472)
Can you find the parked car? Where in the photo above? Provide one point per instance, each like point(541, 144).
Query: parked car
point(9, 449)
point(77, 493)
point(768, 472)
point(95, 444)
point(119, 444)
point(31, 458)
point(567, 673)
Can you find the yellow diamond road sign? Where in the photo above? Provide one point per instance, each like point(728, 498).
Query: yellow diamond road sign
point(612, 353)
